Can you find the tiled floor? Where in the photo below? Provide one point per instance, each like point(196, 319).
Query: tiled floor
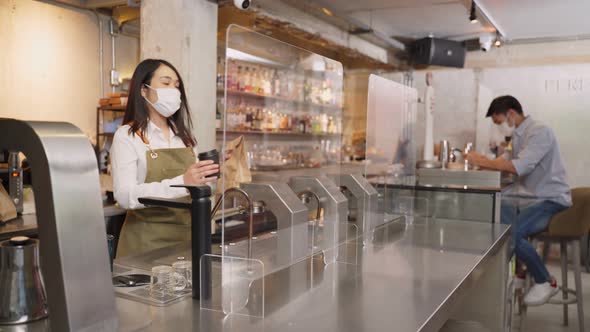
point(549, 317)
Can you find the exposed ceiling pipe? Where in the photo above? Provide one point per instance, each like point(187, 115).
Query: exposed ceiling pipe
point(100, 35)
point(113, 31)
point(361, 26)
point(100, 53)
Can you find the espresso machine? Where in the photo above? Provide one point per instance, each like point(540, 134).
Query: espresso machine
point(72, 233)
point(13, 178)
point(15, 182)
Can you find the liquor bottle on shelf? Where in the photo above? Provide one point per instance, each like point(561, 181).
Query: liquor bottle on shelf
point(302, 125)
point(315, 125)
point(284, 122)
point(290, 84)
point(262, 81)
point(298, 93)
point(249, 119)
point(218, 111)
point(331, 125)
point(220, 73)
point(326, 95)
point(255, 80)
point(276, 121)
point(276, 84)
point(247, 80)
point(232, 75)
point(256, 123)
point(241, 120)
point(267, 85)
point(324, 123)
point(307, 90)
point(241, 86)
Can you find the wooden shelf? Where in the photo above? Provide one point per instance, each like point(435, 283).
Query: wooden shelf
point(277, 133)
point(113, 108)
point(275, 98)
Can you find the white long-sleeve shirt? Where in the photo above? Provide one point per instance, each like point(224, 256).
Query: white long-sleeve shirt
point(129, 168)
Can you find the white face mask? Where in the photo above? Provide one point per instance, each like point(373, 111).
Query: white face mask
point(168, 101)
point(506, 129)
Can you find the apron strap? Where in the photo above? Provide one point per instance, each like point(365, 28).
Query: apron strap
point(145, 141)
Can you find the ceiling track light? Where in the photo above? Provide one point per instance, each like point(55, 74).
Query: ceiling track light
point(472, 13)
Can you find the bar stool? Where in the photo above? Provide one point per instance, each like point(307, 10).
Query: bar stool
point(568, 227)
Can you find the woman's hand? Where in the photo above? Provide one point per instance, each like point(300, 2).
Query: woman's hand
point(197, 173)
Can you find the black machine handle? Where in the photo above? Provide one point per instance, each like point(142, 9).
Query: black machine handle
point(165, 202)
point(200, 208)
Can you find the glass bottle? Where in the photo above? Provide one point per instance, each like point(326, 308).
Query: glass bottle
point(241, 86)
point(267, 83)
point(247, 80)
point(249, 119)
point(255, 80)
point(220, 73)
point(276, 84)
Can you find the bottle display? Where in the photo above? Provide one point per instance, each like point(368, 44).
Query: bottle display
point(296, 112)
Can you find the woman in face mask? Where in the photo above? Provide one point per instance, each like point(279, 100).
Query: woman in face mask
point(153, 150)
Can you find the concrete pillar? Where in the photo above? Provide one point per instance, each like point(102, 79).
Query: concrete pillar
point(184, 32)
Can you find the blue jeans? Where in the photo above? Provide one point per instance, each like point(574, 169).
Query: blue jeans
point(526, 222)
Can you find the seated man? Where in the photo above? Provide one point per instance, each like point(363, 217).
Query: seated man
point(541, 179)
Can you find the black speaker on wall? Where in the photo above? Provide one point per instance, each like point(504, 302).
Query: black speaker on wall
point(439, 52)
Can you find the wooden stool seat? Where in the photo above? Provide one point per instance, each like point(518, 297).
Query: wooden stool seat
point(567, 228)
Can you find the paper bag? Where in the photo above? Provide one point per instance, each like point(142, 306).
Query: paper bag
point(7, 208)
point(236, 169)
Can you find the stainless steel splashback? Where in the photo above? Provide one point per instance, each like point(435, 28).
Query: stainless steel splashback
point(443, 177)
point(73, 244)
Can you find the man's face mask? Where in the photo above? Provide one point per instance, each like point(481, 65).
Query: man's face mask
point(506, 125)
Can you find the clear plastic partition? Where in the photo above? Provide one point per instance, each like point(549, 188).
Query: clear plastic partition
point(390, 150)
point(284, 104)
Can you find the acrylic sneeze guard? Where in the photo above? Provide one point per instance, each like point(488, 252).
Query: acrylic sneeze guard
point(286, 103)
point(391, 151)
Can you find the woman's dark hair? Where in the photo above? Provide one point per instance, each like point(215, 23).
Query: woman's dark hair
point(502, 104)
point(137, 113)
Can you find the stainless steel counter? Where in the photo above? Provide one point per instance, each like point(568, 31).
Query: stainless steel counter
point(412, 278)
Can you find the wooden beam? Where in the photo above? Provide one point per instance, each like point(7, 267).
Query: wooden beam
point(105, 3)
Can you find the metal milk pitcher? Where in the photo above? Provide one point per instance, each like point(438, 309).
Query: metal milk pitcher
point(22, 293)
point(444, 154)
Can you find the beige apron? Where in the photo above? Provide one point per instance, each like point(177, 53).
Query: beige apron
point(156, 227)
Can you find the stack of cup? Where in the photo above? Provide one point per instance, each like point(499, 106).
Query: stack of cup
point(171, 280)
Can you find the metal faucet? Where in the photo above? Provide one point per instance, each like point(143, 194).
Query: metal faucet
point(468, 148)
point(250, 210)
point(304, 196)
